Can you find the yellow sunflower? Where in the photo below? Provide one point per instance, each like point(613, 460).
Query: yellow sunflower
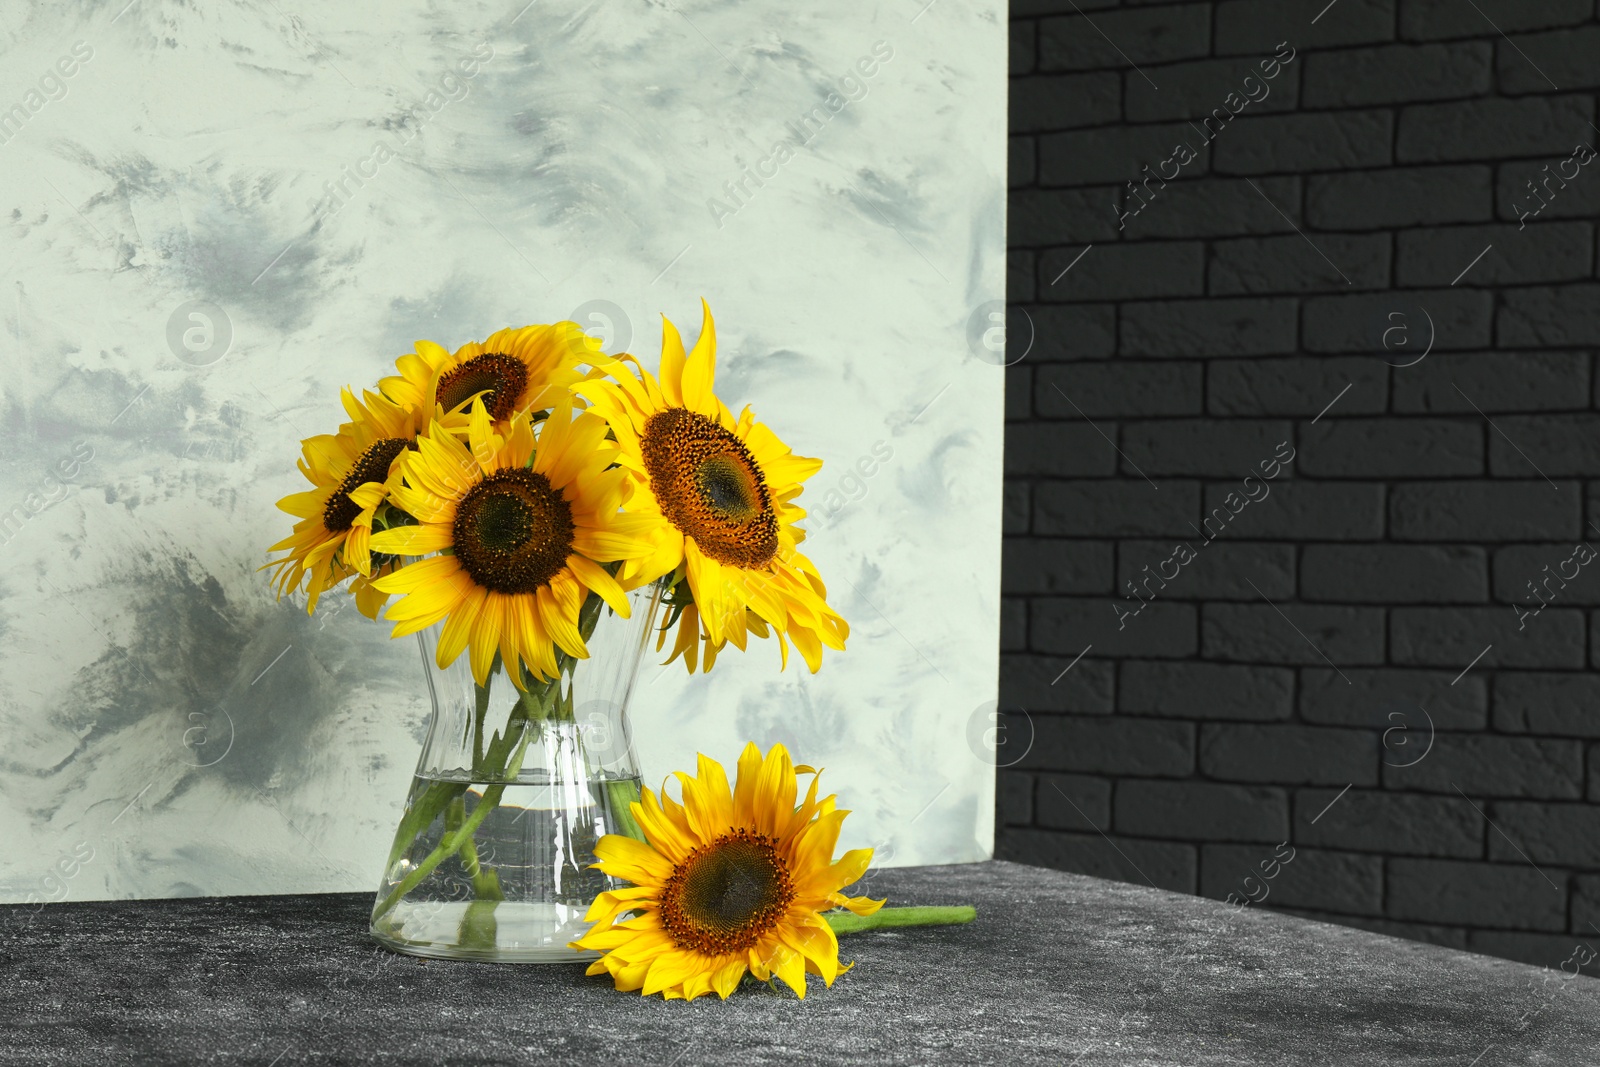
point(514, 370)
point(726, 882)
point(350, 472)
point(722, 493)
point(525, 540)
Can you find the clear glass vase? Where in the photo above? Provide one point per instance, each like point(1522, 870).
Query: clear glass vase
point(512, 791)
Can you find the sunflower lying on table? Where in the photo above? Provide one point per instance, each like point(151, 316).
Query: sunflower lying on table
point(503, 493)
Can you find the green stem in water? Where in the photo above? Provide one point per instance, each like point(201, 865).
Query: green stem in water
point(845, 922)
point(452, 841)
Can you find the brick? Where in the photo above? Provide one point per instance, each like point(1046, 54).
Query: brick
point(1296, 386)
point(1036, 218)
point(1155, 35)
point(1024, 47)
point(1127, 271)
point(1567, 834)
point(1215, 207)
point(1399, 196)
point(1545, 252)
point(1547, 703)
point(1423, 20)
point(1201, 446)
point(1551, 196)
point(1019, 393)
point(1557, 571)
point(1191, 90)
point(1209, 570)
point(1545, 445)
point(1550, 316)
point(1143, 862)
point(1494, 381)
point(1444, 637)
point(1227, 501)
point(1112, 745)
point(1492, 128)
point(1120, 388)
point(1394, 574)
point(1019, 277)
point(1240, 326)
point(1039, 565)
point(1363, 322)
point(1013, 624)
point(1061, 448)
point(1074, 802)
point(1555, 951)
point(1309, 878)
point(1481, 765)
point(1586, 906)
point(1063, 101)
point(1393, 823)
point(1256, 26)
point(1116, 509)
point(1288, 754)
point(1116, 153)
point(1322, 511)
point(1013, 802)
point(1392, 448)
point(1202, 811)
point(1037, 684)
point(1474, 894)
point(1257, 633)
point(1594, 772)
point(1333, 140)
point(1116, 627)
point(1022, 162)
point(1072, 331)
point(1385, 697)
point(1290, 264)
point(1485, 511)
point(1398, 74)
point(1014, 514)
point(1189, 690)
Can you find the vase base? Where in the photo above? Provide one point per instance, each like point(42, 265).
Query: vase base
point(513, 932)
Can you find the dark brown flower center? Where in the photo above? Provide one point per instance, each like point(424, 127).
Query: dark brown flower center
point(503, 376)
point(725, 895)
point(340, 512)
point(710, 487)
point(513, 531)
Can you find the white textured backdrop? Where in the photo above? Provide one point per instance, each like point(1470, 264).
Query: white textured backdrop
point(215, 218)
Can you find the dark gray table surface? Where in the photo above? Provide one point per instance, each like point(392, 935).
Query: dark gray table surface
point(1057, 969)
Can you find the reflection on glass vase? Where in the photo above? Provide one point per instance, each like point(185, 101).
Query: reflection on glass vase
point(513, 790)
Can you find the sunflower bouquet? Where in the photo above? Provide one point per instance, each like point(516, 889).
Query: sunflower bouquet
point(503, 501)
point(505, 487)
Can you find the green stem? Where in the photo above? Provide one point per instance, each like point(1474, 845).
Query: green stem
point(623, 793)
point(479, 712)
point(425, 807)
point(844, 922)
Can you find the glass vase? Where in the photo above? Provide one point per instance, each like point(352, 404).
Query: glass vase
point(512, 791)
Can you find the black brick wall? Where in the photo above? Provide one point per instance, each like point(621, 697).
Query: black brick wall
point(1338, 656)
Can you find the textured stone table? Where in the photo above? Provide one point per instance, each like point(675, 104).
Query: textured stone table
point(1057, 969)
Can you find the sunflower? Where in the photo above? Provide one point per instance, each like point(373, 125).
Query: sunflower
point(525, 541)
point(726, 882)
point(722, 492)
point(514, 370)
point(350, 472)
